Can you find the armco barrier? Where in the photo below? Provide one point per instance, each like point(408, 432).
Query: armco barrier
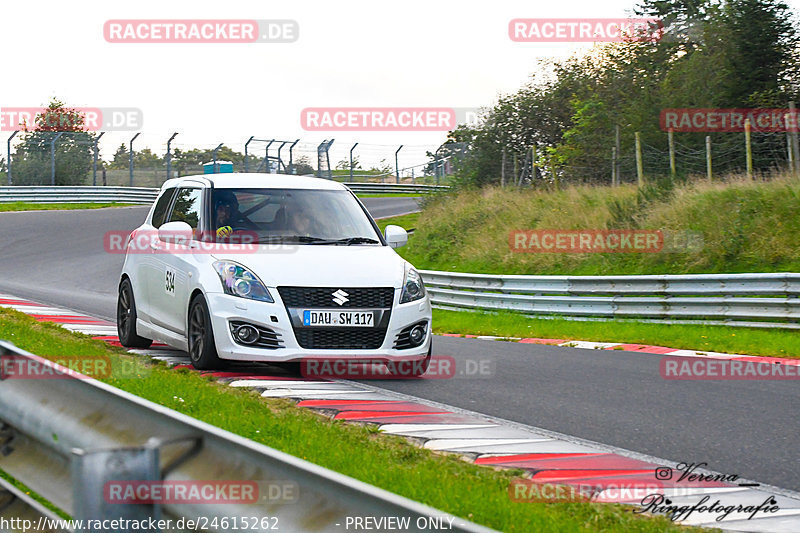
point(65, 438)
point(143, 195)
point(750, 300)
point(67, 194)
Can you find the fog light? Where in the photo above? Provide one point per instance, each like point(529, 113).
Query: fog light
point(417, 334)
point(247, 334)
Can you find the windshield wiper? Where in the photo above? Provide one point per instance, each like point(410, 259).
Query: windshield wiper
point(356, 240)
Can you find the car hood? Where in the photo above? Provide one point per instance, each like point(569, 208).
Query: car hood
point(324, 265)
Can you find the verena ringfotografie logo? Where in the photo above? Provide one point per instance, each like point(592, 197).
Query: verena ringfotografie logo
point(378, 119)
point(583, 30)
point(200, 31)
point(708, 368)
point(441, 367)
point(79, 118)
point(728, 120)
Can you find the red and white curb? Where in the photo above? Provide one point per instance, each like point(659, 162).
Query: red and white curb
point(547, 457)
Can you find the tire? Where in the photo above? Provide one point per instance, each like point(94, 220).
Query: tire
point(202, 350)
point(126, 318)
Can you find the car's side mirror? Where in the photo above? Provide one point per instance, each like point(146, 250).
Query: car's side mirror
point(395, 236)
point(176, 233)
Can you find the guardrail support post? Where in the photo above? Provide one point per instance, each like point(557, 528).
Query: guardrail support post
point(130, 156)
point(8, 161)
point(96, 476)
point(94, 159)
point(53, 157)
point(169, 155)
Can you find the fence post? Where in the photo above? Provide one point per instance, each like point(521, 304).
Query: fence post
point(8, 163)
point(617, 144)
point(503, 170)
point(639, 166)
point(396, 166)
point(130, 159)
point(214, 158)
point(789, 153)
point(351, 161)
point(708, 157)
point(748, 148)
point(613, 166)
point(94, 158)
point(795, 141)
point(533, 163)
point(670, 138)
point(291, 157)
point(246, 162)
point(169, 155)
point(53, 157)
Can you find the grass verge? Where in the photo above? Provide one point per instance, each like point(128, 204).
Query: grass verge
point(443, 481)
point(750, 341)
point(27, 206)
point(404, 221)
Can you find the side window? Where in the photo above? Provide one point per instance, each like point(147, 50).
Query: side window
point(160, 211)
point(187, 207)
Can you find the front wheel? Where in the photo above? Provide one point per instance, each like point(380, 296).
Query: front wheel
point(126, 318)
point(202, 350)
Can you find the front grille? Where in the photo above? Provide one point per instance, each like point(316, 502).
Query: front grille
point(267, 338)
point(322, 297)
point(342, 339)
point(403, 340)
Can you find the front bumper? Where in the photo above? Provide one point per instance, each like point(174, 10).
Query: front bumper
point(224, 309)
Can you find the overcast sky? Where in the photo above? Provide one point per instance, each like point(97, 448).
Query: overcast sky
point(349, 53)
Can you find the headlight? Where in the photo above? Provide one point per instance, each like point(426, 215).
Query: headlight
point(413, 289)
point(238, 281)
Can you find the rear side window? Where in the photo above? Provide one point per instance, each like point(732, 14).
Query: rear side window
point(187, 207)
point(160, 211)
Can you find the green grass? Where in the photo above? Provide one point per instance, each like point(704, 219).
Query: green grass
point(745, 226)
point(443, 481)
point(26, 206)
point(404, 221)
point(749, 341)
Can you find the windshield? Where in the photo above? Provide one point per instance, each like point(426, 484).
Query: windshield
point(295, 216)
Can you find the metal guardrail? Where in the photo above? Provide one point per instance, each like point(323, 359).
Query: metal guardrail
point(395, 188)
point(67, 194)
point(66, 438)
point(144, 195)
point(751, 300)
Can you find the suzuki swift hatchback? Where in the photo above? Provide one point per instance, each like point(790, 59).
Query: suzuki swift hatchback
point(270, 268)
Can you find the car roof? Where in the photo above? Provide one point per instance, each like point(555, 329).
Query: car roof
point(252, 180)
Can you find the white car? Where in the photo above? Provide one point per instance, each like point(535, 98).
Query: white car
point(270, 268)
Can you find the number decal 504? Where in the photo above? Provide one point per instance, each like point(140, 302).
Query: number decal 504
point(170, 282)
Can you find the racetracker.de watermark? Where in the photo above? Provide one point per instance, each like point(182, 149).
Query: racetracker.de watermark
point(153, 241)
point(378, 118)
point(199, 492)
point(200, 31)
point(603, 241)
point(707, 368)
point(71, 367)
point(729, 120)
point(585, 30)
point(440, 367)
point(73, 119)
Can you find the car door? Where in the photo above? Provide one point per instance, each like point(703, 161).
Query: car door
point(169, 291)
point(145, 267)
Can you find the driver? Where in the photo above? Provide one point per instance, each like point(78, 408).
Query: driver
point(226, 208)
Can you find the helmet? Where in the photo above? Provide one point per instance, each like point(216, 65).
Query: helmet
point(225, 197)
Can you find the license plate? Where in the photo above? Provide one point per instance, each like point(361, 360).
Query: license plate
point(342, 319)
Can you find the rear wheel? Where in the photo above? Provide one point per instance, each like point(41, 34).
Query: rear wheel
point(202, 350)
point(126, 318)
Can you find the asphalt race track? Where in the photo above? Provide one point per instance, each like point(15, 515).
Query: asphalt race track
point(748, 428)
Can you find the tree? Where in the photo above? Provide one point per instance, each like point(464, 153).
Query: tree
point(121, 158)
point(73, 149)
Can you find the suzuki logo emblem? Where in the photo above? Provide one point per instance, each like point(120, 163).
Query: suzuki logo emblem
point(340, 297)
